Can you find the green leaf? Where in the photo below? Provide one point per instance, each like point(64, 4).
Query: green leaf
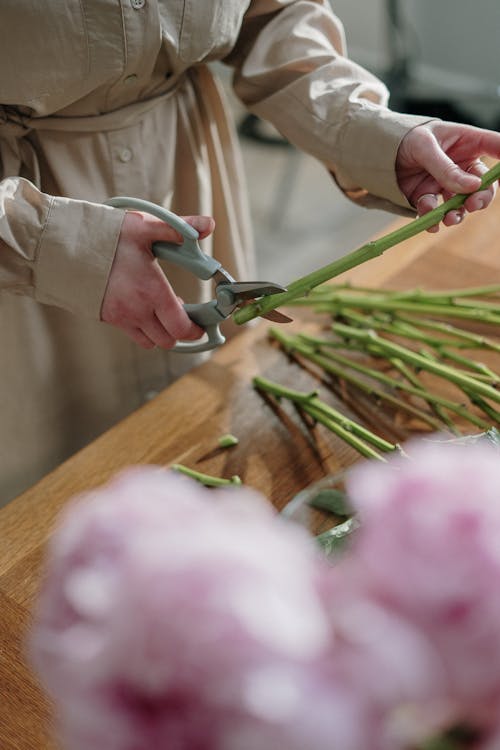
point(333, 501)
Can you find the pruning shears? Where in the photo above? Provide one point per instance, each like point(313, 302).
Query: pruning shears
point(229, 293)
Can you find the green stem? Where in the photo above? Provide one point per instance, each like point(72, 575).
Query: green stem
point(346, 435)
point(337, 301)
point(373, 341)
point(322, 361)
point(396, 328)
point(207, 479)
point(412, 378)
point(473, 291)
point(351, 432)
point(480, 370)
point(227, 440)
point(431, 398)
point(492, 413)
point(311, 401)
point(416, 293)
point(368, 251)
point(476, 339)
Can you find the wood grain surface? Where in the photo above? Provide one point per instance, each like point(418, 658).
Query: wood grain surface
point(275, 454)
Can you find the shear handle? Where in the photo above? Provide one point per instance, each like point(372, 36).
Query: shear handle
point(207, 316)
point(188, 255)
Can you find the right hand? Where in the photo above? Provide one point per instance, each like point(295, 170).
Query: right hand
point(139, 299)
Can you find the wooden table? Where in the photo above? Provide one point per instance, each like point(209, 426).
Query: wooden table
point(274, 455)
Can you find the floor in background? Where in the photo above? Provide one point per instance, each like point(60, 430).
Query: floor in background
point(301, 220)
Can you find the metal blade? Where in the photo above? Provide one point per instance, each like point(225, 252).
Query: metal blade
point(276, 317)
point(246, 290)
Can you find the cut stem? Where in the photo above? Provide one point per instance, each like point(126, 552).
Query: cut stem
point(350, 431)
point(432, 399)
point(207, 479)
point(291, 345)
point(376, 344)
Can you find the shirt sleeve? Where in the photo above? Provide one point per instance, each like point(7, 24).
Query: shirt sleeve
point(56, 250)
point(291, 69)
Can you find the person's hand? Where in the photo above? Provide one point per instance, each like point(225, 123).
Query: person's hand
point(138, 297)
point(439, 159)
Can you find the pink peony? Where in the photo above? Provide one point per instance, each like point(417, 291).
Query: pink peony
point(177, 618)
point(428, 555)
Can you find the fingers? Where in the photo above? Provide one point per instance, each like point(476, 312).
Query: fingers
point(148, 313)
point(172, 317)
point(438, 159)
point(158, 334)
point(475, 202)
point(204, 225)
point(150, 229)
point(163, 321)
point(427, 202)
point(169, 322)
point(482, 198)
point(150, 331)
point(442, 167)
point(138, 298)
point(139, 337)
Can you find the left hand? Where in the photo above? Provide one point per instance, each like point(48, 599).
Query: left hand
point(441, 159)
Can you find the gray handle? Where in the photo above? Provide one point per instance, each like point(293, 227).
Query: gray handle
point(208, 317)
point(188, 255)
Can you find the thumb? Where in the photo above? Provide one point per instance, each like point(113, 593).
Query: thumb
point(445, 171)
point(204, 225)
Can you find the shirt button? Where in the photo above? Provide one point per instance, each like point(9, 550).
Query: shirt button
point(125, 155)
point(130, 79)
point(138, 4)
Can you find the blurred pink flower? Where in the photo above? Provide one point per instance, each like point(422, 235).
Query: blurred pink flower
point(177, 618)
point(428, 555)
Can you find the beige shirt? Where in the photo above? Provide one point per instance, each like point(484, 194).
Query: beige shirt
point(114, 97)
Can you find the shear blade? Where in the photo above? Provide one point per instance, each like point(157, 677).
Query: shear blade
point(250, 290)
point(276, 317)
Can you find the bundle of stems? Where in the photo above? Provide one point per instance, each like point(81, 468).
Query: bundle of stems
point(370, 250)
point(383, 347)
point(367, 443)
point(477, 304)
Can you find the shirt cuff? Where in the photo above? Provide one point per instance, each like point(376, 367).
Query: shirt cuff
point(75, 253)
point(368, 146)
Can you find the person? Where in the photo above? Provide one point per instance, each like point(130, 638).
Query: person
point(119, 98)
